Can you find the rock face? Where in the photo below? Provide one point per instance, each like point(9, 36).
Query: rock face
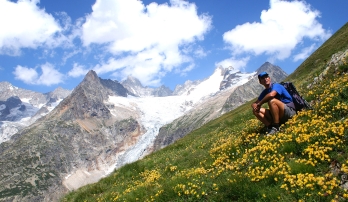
point(20, 108)
point(46, 159)
point(214, 107)
point(162, 91)
point(12, 103)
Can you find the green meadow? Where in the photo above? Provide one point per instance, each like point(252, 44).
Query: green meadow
point(231, 158)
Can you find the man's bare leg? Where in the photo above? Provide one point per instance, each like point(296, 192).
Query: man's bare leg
point(264, 115)
point(277, 110)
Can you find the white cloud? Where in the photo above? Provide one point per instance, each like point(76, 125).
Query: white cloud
point(77, 71)
point(146, 41)
point(26, 26)
point(200, 52)
point(69, 54)
point(49, 75)
point(187, 69)
point(27, 75)
point(304, 53)
point(239, 63)
point(196, 50)
point(283, 26)
point(146, 66)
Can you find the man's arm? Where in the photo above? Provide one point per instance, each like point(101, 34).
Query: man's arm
point(258, 103)
point(268, 97)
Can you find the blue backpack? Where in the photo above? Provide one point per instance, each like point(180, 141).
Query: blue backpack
point(299, 102)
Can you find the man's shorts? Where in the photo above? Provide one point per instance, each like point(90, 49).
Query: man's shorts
point(288, 114)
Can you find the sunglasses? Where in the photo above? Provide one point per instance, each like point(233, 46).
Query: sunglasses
point(264, 77)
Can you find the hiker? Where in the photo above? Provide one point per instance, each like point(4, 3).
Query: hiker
point(279, 101)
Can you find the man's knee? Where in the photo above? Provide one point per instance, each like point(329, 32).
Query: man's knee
point(273, 101)
point(257, 114)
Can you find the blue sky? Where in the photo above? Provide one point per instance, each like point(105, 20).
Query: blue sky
point(48, 44)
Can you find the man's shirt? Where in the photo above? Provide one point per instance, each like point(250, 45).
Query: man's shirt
point(282, 93)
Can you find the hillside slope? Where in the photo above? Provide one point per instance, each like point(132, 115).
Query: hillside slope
point(230, 159)
point(212, 108)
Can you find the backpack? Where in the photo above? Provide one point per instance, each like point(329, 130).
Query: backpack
point(299, 102)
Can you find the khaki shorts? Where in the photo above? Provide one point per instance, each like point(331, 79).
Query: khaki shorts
point(288, 114)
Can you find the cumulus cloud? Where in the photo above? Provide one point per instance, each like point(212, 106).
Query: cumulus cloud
point(283, 26)
point(236, 63)
point(145, 41)
point(49, 75)
point(26, 26)
point(146, 66)
point(27, 75)
point(77, 71)
point(304, 53)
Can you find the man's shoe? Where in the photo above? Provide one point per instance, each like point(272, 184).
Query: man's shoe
point(272, 131)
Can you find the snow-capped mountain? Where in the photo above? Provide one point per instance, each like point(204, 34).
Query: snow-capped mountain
point(19, 107)
point(11, 107)
point(232, 77)
point(102, 125)
point(135, 88)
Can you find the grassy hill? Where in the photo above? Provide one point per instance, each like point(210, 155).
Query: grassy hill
point(230, 159)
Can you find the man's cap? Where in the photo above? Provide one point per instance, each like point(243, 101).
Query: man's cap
point(262, 74)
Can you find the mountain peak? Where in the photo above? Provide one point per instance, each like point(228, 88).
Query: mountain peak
point(58, 93)
point(91, 76)
point(276, 73)
point(267, 66)
point(132, 81)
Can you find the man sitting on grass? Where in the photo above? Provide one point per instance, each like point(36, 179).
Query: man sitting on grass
point(281, 107)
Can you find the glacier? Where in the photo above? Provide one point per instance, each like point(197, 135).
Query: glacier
point(158, 111)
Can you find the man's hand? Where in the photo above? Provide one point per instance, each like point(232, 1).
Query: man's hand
point(256, 107)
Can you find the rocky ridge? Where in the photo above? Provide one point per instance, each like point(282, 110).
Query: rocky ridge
point(60, 151)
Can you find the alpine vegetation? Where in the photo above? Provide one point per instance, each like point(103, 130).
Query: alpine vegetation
point(230, 158)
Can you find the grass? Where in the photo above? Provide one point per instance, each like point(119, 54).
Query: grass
point(230, 159)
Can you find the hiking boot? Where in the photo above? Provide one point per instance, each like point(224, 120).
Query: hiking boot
point(272, 131)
